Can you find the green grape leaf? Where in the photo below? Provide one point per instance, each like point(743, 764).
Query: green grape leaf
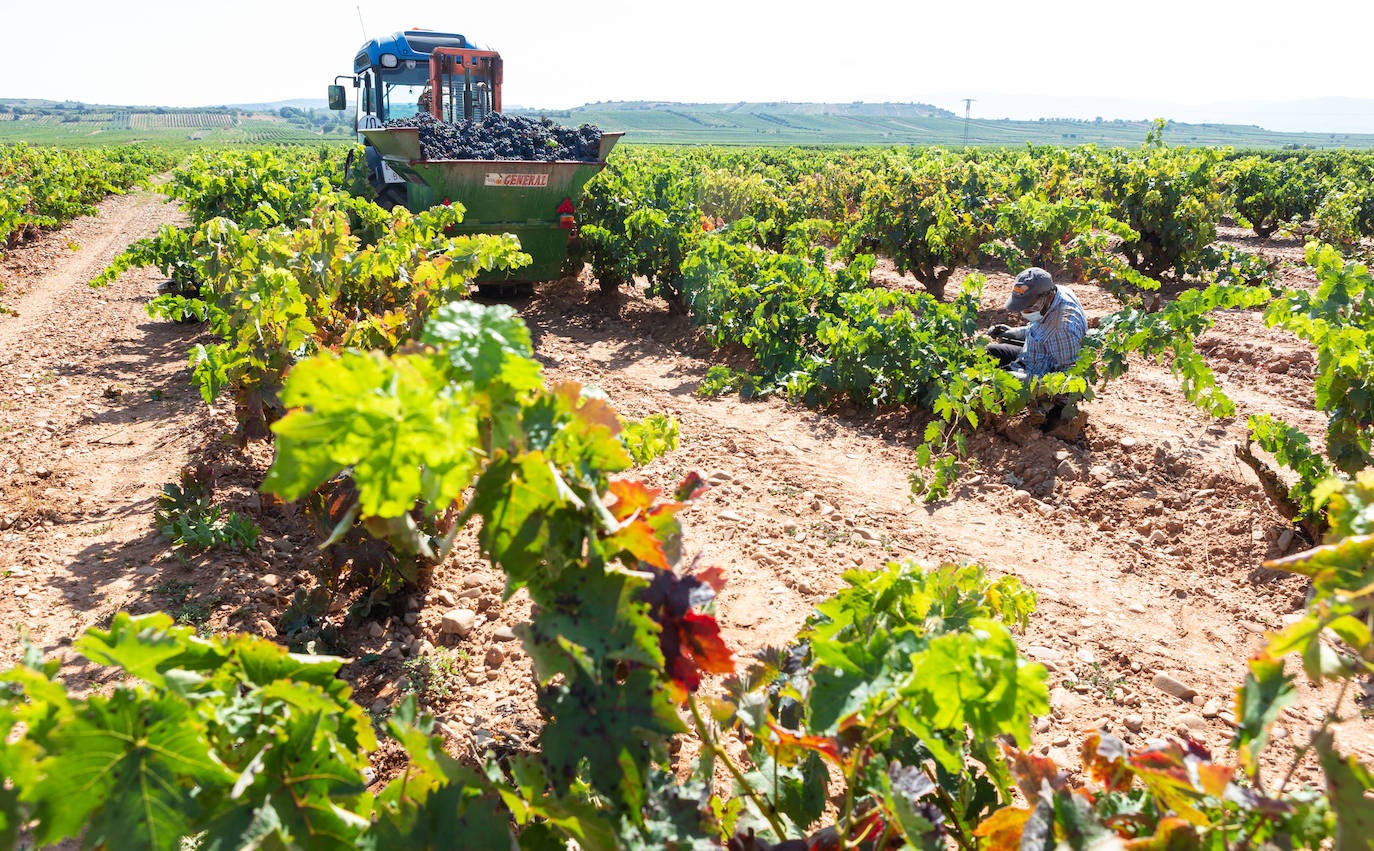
point(1265, 692)
point(571, 816)
point(611, 727)
point(1349, 783)
point(123, 770)
point(1345, 564)
point(263, 662)
point(429, 809)
point(521, 500)
point(406, 433)
point(649, 438)
point(148, 646)
point(297, 789)
point(976, 678)
point(484, 344)
point(598, 618)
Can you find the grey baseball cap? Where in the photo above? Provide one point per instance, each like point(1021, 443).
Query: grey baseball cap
point(1030, 285)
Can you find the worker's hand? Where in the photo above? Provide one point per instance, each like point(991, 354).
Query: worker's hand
point(998, 330)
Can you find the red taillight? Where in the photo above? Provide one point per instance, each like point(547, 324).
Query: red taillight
point(566, 206)
point(446, 202)
point(566, 221)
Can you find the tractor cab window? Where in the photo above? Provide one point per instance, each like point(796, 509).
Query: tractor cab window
point(402, 100)
point(404, 92)
point(402, 89)
point(367, 97)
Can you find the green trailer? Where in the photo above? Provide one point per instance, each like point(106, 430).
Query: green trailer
point(533, 200)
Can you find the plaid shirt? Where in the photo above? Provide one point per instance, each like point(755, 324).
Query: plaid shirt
point(1052, 344)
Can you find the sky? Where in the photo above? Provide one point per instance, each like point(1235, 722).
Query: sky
point(559, 53)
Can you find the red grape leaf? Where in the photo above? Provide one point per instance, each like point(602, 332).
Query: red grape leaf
point(701, 637)
point(782, 742)
point(631, 496)
point(640, 540)
point(1106, 757)
point(1001, 831)
point(691, 487)
point(712, 576)
point(1032, 771)
point(593, 410)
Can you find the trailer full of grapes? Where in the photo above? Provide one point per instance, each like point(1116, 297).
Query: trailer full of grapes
point(532, 199)
point(429, 108)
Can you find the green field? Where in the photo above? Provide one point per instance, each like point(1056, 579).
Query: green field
point(645, 122)
point(50, 123)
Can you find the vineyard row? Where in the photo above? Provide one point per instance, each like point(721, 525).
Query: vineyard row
point(400, 412)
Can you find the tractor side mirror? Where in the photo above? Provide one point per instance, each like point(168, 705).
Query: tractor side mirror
point(336, 98)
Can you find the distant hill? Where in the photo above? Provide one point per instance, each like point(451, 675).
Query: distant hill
point(1320, 115)
point(276, 105)
point(857, 108)
point(784, 123)
point(1355, 115)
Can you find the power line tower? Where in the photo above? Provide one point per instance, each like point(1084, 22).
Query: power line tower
point(968, 106)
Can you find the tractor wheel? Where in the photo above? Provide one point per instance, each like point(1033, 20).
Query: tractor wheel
point(506, 290)
point(391, 196)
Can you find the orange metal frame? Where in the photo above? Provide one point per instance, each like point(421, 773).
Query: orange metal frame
point(447, 61)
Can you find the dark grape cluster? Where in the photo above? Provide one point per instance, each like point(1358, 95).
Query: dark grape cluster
point(503, 137)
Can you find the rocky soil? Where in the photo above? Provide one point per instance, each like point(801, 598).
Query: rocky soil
point(1143, 538)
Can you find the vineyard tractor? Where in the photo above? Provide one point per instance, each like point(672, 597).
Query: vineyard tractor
point(446, 76)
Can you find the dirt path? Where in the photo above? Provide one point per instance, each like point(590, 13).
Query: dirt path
point(1142, 539)
point(96, 415)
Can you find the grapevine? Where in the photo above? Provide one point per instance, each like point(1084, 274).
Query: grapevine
point(899, 715)
point(47, 187)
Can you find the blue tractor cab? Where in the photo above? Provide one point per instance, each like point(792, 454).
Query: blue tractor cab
point(392, 72)
point(392, 76)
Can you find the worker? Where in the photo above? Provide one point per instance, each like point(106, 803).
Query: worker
point(1054, 333)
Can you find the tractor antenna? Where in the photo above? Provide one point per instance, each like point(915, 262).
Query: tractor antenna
point(968, 105)
point(359, 7)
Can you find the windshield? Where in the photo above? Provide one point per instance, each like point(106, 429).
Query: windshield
point(405, 92)
point(401, 100)
point(401, 89)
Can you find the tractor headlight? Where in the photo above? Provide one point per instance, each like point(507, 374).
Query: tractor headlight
point(388, 60)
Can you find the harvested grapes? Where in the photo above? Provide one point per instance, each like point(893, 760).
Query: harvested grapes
point(503, 137)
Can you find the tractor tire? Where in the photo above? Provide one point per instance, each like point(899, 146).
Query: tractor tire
point(391, 196)
point(505, 290)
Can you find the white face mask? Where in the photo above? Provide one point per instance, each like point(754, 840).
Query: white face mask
point(1037, 314)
